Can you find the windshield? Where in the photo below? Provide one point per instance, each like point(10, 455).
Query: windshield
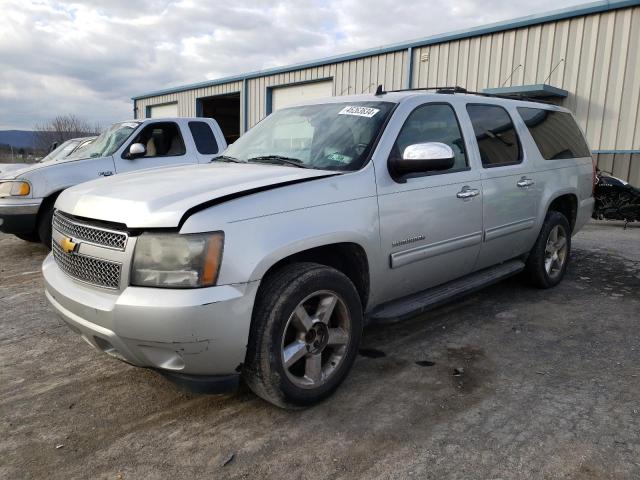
point(330, 136)
point(61, 151)
point(107, 142)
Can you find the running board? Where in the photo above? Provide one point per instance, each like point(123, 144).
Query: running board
point(418, 303)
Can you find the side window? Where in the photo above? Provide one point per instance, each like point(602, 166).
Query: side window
point(161, 140)
point(433, 122)
point(555, 133)
point(497, 138)
point(204, 138)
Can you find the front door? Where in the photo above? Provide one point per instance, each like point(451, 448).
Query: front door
point(163, 144)
point(430, 225)
point(508, 185)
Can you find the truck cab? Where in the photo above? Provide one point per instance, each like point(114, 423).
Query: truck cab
point(28, 193)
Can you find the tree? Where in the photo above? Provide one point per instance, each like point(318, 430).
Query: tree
point(60, 129)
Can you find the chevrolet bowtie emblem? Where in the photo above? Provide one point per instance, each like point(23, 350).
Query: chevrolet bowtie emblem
point(69, 245)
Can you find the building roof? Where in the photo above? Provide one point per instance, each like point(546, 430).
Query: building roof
point(552, 16)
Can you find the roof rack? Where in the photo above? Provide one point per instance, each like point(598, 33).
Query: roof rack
point(451, 90)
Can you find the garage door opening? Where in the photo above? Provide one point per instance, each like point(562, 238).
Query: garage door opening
point(224, 109)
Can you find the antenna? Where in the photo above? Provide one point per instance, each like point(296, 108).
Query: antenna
point(553, 70)
point(379, 91)
point(510, 75)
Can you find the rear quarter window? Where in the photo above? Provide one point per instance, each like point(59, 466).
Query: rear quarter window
point(204, 138)
point(556, 133)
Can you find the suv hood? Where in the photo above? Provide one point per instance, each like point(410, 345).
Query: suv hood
point(159, 198)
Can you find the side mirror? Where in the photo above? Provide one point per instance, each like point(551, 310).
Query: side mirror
point(137, 150)
point(424, 157)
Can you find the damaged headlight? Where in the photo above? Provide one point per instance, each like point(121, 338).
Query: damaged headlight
point(172, 260)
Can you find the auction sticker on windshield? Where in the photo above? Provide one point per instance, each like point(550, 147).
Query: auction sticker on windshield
point(359, 111)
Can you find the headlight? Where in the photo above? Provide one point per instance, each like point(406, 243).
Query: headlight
point(171, 260)
point(14, 189)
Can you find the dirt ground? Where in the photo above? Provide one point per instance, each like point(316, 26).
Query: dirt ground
point(510, 383)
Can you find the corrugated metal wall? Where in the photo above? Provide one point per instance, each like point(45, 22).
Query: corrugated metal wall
point(187, 99)
point(356, 76)
point(596, 58)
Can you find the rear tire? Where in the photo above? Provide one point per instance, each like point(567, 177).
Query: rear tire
point(306, 328)
point(45, 218)
point(549, 257)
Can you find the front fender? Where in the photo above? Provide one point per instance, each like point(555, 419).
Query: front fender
point(254, 245)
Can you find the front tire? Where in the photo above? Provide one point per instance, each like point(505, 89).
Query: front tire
point(45, 219)
point(549, 257)
point(306, 329)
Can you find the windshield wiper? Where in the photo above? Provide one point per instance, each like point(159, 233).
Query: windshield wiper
point(293, 162)
point(226, 158)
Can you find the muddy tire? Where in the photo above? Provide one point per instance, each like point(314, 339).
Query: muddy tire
point(306, 328)
point(549, 257)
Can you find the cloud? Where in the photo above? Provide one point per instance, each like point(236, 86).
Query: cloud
point(88, 58)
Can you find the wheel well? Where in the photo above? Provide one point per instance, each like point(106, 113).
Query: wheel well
point(46, 202)
point(49, 200)
point(348, 258)
point(566, 205)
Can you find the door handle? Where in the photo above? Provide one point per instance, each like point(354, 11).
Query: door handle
point(468, 192)
point(525, 182)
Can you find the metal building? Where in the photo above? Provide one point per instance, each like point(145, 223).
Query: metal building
point(586, 58)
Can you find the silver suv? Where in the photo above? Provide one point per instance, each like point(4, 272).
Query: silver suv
point(267, 262)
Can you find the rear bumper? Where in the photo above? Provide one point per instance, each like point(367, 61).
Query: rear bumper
point(197, 332)
point(18, 215)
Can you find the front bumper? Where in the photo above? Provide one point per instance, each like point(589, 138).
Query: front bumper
point(190, 332)
point(19, 215)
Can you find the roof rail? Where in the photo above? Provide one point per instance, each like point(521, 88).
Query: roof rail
point(451, 90)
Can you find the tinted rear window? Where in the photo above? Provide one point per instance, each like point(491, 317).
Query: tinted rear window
point(204, 138)
point(555, 133)
point(497, 138)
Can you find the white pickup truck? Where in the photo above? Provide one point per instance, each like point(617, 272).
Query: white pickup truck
point(27, 194)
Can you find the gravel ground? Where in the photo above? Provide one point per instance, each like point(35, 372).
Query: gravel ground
point(510, 383)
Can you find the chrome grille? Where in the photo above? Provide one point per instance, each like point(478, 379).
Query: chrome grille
point(91, 270)
point(88, 233)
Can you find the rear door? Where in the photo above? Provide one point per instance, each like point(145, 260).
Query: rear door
point(508, 185)
point(430, 224)
point(164, 145)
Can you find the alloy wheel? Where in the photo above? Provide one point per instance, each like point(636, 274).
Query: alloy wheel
point(555, 253)
point(315, 339)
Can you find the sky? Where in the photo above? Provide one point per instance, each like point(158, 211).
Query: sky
point(89, 58)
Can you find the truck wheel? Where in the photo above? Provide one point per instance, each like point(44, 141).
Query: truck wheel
point(45, 218)
point(549, 257)
point(306, 329)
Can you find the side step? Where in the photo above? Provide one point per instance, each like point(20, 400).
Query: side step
point(418, 303)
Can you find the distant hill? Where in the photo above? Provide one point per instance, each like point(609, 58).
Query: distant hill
point(17, 138)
